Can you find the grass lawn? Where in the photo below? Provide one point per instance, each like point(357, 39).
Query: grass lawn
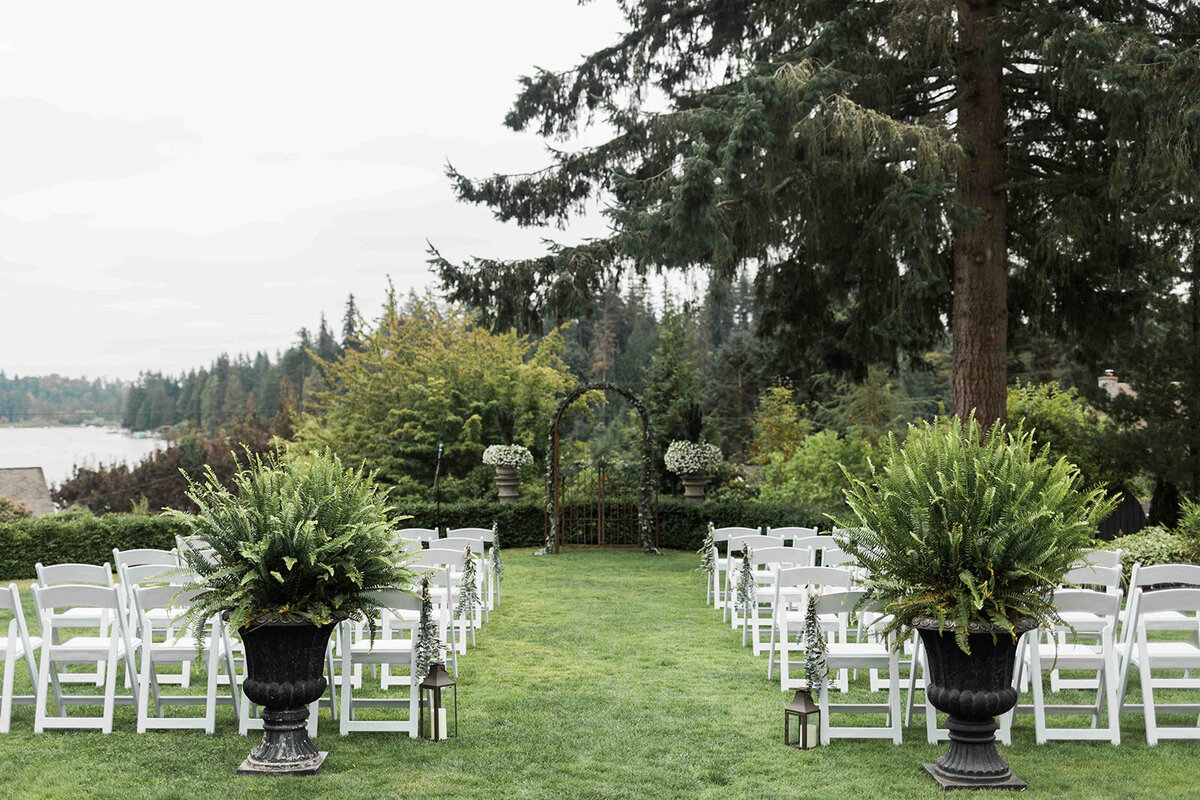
point(602, 675)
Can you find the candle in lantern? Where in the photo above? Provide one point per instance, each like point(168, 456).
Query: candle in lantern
point(441, 724)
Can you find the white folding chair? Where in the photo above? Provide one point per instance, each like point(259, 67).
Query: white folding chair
point(843, 654)
point(161, 619)
point(1149, 656)
point(468, 623)
point(1085, 623)
point(112, 649)
point(485, 571)
point(787, 615)
point(175, 650)
point(19, 646)
point(1097, 608)
point(733, 560)
point(390, 652)
point(487, 536)
point(99, 618)
point(721, 536)
point(765, 564)
point(443, 564)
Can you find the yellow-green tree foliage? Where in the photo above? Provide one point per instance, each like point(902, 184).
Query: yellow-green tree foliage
point(426, 374)
point(777, 427)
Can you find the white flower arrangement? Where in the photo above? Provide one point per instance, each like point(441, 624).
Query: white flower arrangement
point(507, 455)
point(692, 458)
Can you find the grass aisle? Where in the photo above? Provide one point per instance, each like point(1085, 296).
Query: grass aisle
point(602, 675)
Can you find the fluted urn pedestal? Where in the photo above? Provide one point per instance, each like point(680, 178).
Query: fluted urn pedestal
point(973, 689)
point(694, 487)
point(285, 672)
point(508, 484)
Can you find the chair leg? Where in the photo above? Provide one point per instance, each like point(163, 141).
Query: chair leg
point(210, 697)
point(912, 682)
point(6, 692)
point(110, 688)
point(1039, 700)
point(347, 710)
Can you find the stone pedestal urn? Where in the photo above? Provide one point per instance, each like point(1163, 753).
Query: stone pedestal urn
point(694, 487)
point(973, 689)
point(285, 672)
point(508, 481)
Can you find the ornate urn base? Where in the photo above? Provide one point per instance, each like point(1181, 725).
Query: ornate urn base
point(508, 482)
point(285, 666)
point(694, 487)
point(973, 689)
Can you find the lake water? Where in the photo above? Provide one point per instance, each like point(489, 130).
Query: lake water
point(58, 450)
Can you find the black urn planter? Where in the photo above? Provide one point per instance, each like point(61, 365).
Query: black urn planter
point(973, 689)
point(285, 672)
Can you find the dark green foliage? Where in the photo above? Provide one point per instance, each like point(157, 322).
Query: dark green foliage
point(1153, 545)
point(57, 400)
point(302, 538)
point(79, 537)
point(969, 527)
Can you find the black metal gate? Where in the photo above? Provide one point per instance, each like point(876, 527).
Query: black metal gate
point(599, 504)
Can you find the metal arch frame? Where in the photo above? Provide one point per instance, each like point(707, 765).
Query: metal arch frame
point(645, 488)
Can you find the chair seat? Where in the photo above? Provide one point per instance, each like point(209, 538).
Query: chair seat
point(1062, 655)
point(35, 644)
point(856, 652)
point(87, 648)
point(182, 646)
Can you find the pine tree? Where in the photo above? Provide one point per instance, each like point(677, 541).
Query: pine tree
point(429, 644)
point(891, 170)
point(350, 325)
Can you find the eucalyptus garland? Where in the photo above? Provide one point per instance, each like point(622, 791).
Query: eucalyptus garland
point(747, 588)
point(813, 639)
point(707, 562)
point(468, 590)
point(429, 644)
point(497, 563)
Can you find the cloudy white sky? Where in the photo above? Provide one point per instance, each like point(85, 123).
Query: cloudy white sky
point(178, 180)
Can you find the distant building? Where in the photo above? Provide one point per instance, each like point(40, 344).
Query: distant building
point(27, 486)
point(1112, 386)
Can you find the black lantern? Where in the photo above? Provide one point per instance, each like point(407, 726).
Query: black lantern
point(807, 715)
point(437, 704)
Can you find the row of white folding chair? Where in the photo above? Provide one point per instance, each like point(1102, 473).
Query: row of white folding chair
point(19, 648)
point(735, 550)
point(717, 588)
point(765, 564)
point(485, 539)
point(716, 592)
point(1166, 609)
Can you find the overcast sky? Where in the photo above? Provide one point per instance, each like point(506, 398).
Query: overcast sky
point(181, 180)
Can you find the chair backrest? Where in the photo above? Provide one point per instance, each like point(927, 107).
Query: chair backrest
point(147, 574)
point(478, 534)
point(438, 558)
point(395, 600)
point(791, 556)
point(790, 534)
point(1167, 600)
point(75, 595)
point(1090, 601)
point(56, 574)
point(1094, 575)
point(815, 576)
point(815, 542)
point(149, 598)
point(836, 557)
point(137, 558)
point(459, 543)
point(416, 534)
point(1164, 575)
point(840, 602)
point(733, 532)
point(1099, 557)
point(739, 544)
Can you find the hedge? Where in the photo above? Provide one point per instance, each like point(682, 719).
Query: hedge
point(73, 537)
point(87, 539)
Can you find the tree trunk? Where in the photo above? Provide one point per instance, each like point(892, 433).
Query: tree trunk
point(980, 253)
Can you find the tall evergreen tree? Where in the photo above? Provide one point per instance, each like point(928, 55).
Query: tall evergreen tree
point(884, 167)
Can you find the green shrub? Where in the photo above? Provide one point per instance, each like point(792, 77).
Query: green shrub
point(1150, 546)
point(814, 475)
point(1073, 429)
point(966, 526)
point(74, 536)
point(71, 536)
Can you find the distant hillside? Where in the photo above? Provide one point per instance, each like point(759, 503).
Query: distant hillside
point(58, 400)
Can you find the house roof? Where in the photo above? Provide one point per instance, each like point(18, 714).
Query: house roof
point(27, 485)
